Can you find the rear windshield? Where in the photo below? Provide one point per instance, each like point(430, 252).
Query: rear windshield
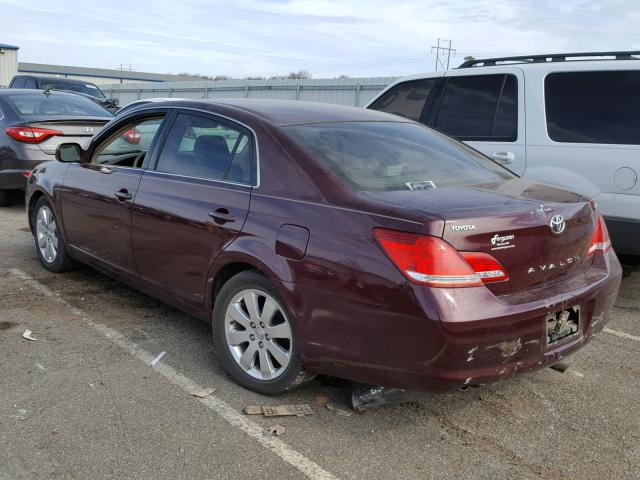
point(40, 103)
point(86, 88)
point(395, 156)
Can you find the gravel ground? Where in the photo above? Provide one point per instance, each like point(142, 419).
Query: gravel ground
point(82, 402)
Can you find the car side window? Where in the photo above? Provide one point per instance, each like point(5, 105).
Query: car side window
point(593, 107)
point(30, 83)
point(204, 147)
point(406, 99)
point(18, 82)
point(479, 107)
point(129, 145)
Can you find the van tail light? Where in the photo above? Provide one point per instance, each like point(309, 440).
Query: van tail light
point(600, 241)
point(431, 261)
point(132, 136)
point(31, 134)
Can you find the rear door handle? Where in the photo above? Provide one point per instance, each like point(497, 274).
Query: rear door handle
point(504, 157)
point(123, 195)
point(222, 215)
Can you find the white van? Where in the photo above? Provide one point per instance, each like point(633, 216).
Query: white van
point(567, 119)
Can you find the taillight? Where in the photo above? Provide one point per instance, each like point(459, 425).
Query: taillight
point(600, 241)
point(31, 134)
point(431, 261)
point(486, 267)
point(132, 136)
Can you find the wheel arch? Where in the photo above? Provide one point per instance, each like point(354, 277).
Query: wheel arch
point(229, 264)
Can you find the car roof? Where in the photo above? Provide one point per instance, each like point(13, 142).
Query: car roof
point(576, 65)
point(290, 112)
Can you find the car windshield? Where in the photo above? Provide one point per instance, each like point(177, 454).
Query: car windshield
point(40, 103)
point(86, 88)
point(395, 156)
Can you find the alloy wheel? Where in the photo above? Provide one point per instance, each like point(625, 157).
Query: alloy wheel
point(47, 234)
point(258, 334)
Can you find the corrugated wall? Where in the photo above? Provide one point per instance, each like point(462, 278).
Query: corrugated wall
point(8, 66)
point(342, 91)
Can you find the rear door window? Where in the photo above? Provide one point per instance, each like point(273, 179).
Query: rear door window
point(203, 147)
point(593, 107)
point(30, 83)
point(406, 99)
point(480, 108)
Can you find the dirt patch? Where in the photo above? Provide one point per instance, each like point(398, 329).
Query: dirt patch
point(7, 325)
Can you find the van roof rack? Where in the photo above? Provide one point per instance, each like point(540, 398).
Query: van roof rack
point(552, 57)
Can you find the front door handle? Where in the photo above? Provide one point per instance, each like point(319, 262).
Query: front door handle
point(123, 195)
point(222, 215)
point(504, 157)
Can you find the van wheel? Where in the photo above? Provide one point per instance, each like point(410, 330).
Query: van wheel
point(254, 337)
point(50, 245)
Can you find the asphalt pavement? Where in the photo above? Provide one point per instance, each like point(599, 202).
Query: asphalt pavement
point(83, 402)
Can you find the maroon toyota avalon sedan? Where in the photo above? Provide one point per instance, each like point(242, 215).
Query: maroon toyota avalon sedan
point(334, 240)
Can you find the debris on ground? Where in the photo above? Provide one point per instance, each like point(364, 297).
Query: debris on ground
point(339, 411)
point(279, 410)
point(364, 396)
point(276, 430)
point(205, 392)
point(560, 367)
point(28, 336)
point(157, 359)
point(320, 399)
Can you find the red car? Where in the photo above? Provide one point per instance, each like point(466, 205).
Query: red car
point(334, 240)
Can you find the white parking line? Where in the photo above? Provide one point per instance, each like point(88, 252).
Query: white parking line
point(306, 466)
point(620, 334)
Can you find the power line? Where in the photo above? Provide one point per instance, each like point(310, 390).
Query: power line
point(440, 58)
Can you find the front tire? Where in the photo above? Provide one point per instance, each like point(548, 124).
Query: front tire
point(254, 336)
point(50, 245)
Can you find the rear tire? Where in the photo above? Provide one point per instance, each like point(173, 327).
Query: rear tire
point(5, 198)
point(254, 337)
point(50, 245)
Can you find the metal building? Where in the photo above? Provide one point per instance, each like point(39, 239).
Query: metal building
point(8, 63)
point(99, 76)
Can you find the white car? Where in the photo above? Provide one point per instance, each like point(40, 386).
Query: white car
point(566, 119)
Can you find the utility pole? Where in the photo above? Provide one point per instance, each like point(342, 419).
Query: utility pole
point(440, 62)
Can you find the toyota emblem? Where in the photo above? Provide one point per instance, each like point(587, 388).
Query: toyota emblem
point(557, 224)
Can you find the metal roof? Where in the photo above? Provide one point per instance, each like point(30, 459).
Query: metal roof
point(42, 68)
point(8, 47)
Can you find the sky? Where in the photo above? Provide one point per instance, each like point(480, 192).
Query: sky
point(359, 38)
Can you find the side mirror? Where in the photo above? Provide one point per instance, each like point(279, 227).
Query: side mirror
point(69, 152)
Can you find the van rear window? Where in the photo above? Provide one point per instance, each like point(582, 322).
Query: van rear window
point(593, 107)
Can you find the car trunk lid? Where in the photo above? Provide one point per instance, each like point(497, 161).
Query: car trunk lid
point(78, 130)
point(539, 233)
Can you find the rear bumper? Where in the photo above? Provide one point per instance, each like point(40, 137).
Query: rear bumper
point(465, 336)
point(624, 235)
